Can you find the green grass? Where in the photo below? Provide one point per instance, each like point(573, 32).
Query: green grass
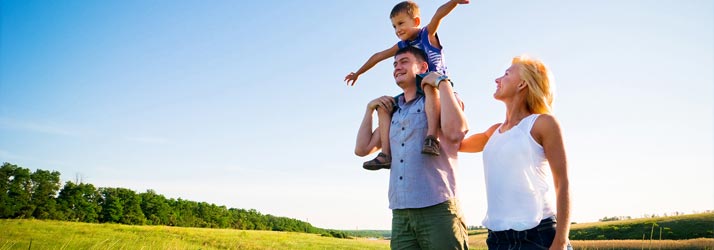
point(680, 227)
point(19, 234)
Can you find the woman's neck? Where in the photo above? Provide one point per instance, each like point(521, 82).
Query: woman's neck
point(516, 110)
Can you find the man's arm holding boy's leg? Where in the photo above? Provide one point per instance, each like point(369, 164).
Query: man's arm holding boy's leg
point(368, 140)
point(453, 120)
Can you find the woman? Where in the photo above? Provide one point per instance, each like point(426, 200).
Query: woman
point(516, 157)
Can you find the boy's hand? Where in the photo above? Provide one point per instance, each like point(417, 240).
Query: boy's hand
point(386, 102)
point(351, 78)
point(430, 80)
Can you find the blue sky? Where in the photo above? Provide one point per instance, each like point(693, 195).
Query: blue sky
point(242, 104)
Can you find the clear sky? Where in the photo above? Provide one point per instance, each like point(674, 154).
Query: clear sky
point(243, 104)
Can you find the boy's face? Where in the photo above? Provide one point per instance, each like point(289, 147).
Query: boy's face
point(405, 27)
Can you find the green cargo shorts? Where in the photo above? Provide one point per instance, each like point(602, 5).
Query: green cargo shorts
point(436, 227)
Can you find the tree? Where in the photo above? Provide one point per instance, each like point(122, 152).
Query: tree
point(155, 208)
point(45, 185)
point(121, 205)
point(80, 202)
point(16, 188)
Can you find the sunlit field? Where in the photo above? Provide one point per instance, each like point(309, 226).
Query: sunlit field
point(37, 234)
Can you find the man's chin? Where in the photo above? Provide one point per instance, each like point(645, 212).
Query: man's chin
point(402, 78)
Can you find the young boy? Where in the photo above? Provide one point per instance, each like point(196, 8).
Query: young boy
point(406, 22)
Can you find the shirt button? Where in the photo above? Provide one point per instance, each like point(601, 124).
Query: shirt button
point(402, 144)
point(400, 177)
point(418, 110)
point(402, 160)
point(402, 128)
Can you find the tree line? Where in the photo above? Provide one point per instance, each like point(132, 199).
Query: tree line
point(40, 195)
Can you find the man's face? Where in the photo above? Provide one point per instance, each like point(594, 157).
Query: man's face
point(406, 66)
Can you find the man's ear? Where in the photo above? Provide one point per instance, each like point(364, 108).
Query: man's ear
point(417, 21)
point(424, 66)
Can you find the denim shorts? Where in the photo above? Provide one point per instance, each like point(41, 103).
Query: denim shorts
point(537, 238)
point(436, 227)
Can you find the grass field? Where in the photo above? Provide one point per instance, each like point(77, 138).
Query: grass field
point(681, 227)
point(37, 234)
point(19, 234)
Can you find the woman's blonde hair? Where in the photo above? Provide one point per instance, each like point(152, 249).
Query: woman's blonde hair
point(539, 98)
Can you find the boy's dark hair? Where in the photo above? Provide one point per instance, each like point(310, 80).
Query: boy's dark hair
point(408, 7)
point(418, 53)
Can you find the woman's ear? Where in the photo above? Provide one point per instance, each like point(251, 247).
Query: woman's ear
point(522, 85)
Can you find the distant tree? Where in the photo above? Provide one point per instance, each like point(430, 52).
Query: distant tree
point(25, 195)
point(16, 189)
point(45, 185)
point(155, 208)
point(183, 213)
point(121, 205)
point(79, 202)
point(7, 174)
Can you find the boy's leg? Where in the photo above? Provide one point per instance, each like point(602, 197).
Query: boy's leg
point(432, 106)
point(383, 159)
point(385, 120)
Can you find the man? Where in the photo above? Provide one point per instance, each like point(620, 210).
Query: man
point(422, 188)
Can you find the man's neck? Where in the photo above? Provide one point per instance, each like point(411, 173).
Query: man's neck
point(410, 94)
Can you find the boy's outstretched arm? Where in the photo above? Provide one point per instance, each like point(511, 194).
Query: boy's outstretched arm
point(438, 16)
point(351, 78)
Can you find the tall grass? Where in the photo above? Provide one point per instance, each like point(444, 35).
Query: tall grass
point(19, 234)
point(701, 243)
point(37, 234)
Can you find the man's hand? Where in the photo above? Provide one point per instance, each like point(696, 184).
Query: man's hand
point(351, 78)
point(461, 1)
point(430, 80)
point(386, 102)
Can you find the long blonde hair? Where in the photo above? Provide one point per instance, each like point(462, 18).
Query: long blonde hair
point(539, 97)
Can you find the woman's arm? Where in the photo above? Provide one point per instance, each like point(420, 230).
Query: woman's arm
point(476, 142)
point(546, 131)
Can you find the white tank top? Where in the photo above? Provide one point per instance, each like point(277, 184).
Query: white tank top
point(518, 179)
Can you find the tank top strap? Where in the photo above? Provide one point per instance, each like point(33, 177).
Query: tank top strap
point(528, 122)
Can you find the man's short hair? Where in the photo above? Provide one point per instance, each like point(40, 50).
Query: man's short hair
point(418, 53)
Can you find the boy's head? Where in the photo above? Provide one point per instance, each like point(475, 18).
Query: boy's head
point(405, 20)
point(407, 7)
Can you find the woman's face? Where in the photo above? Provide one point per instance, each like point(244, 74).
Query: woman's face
point(507, 85)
